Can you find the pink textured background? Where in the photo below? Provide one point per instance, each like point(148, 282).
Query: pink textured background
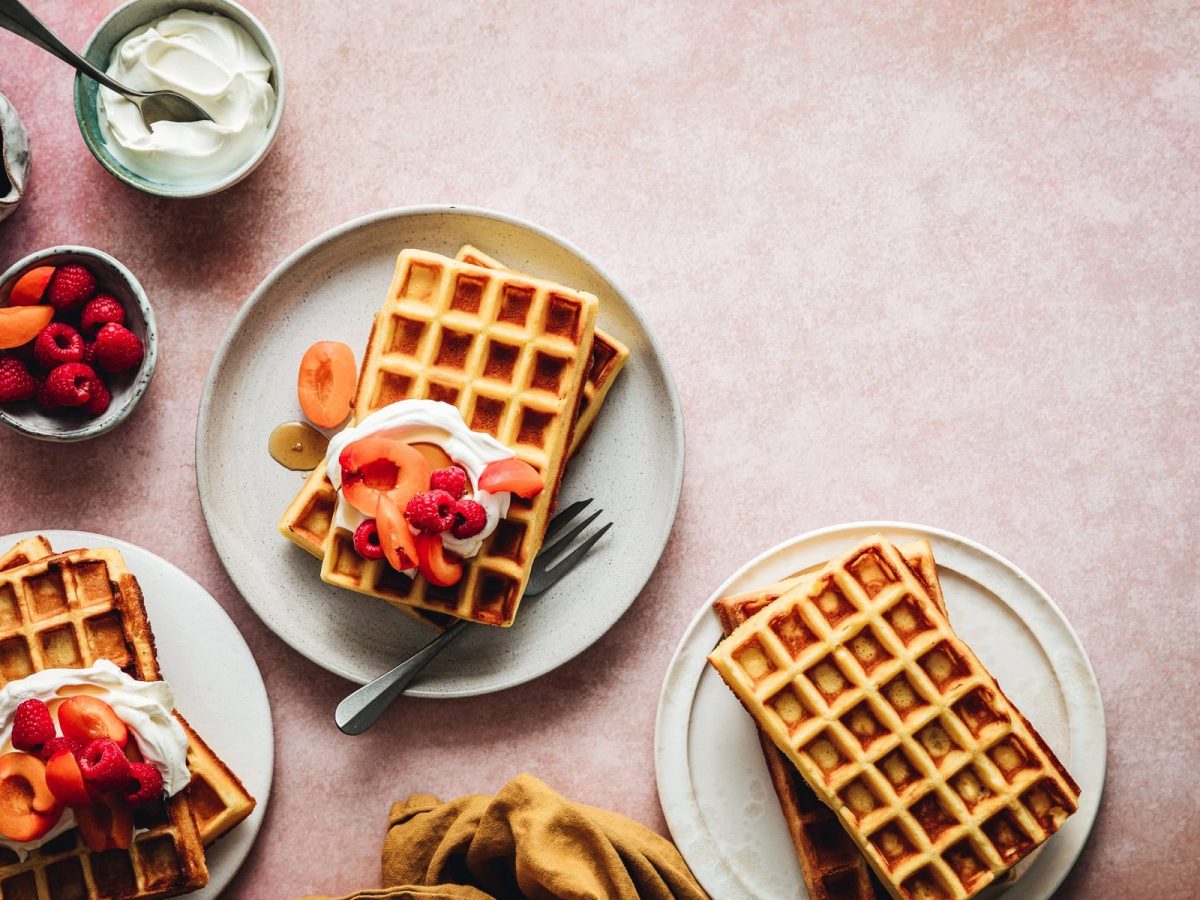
point(931, 263)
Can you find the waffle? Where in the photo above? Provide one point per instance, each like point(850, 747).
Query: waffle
point(891, 719)
point(832, 866)
point(608, 357)
point(508, 352)
point(219, 799)
point(67, 611)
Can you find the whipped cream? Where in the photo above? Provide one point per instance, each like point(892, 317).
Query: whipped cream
point(144, 706)
point(428, 422)
point(209, 59)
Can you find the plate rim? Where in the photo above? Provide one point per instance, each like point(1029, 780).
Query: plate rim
point(673, 777)
point(258, 815)
point(336, 233)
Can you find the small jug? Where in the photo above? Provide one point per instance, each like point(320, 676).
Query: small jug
point(14, 158)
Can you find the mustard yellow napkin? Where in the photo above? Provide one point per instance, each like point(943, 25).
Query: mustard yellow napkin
point(525, 841)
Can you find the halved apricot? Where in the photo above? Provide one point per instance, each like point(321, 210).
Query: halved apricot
point(434, 563)
point(106, 825)
point(374, 466)
point(28, 808)
point(86, 719)
point(326, 384)
point(65, 779)
point(512, 475)
point(21, 324)
point(399, 547)
point(30, 287)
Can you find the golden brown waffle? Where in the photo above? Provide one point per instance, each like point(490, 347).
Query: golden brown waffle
point(608, 357)
point(510, 353)
point(891, 719)
point(25, 551)
point(832, 866)
point(67, 611)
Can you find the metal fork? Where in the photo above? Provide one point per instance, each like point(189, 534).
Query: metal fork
point(361, 709)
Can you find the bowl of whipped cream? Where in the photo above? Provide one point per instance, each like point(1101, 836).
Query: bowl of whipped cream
point(212, 51)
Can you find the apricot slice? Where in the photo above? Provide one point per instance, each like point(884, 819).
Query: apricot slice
point(326, 384)
point(30, 287)
point(65, 779)
point(86, 719)
point(21, 324)
point(28, 808)
point(375, 466)
point(512, 475)
point(399, 547)
point(434, 563)
point(106, 825)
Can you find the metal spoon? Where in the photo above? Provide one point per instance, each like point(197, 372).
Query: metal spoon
point(155, 106)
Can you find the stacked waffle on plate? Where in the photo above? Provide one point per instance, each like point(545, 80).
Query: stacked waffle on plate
point(518, 357)
point(864, 691)
point(68, 611)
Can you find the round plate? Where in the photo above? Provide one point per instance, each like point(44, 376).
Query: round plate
point(217, 685)
point(632, 464)
point(712, 781)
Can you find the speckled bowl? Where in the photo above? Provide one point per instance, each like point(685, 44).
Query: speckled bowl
point(127, 387)
point(122, 21)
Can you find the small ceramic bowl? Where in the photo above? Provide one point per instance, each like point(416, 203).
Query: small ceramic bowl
point(127, 387)
point(131, 16)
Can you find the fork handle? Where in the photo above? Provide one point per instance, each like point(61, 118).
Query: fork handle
point(360, 710)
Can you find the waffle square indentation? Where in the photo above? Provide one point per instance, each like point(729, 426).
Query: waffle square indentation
point(548, 373)
point(10, 611)
point(406, 335)
point(508, 540)
point(64, 879)
point(453, 350)
point(501, 361)
point(515, 302)
point(944, 666)
point(863, 724)
point(937, 742)
point(497, 598)
point(907, 619)
point(933, 817)
point(47, 594)
point(832, 603)
point(468, 293)
point(753, 660)
point(830, 844)
point(792, 632)
point(977, 710)
point(1011, 757)
point(872, 571)
point(113, 873)
point(868, 650)
point(1047, 804)
point(899, 770)
point(787, 704)
point(487, 414)
point(91, 582)
point(859, 798)
point(393, 387)
point(925, 884)
point(563, 317)
point(15, 659)
point(893, 844)
point(965, 861)
point(1010, 841)
point(828, 679)
point(60, 650)
point(903, 697)
point(970, 786)
point(106, 638)
point(443, 392)
point(420, 281)
point(826, 754)
point(160, 860)
point(533, 428)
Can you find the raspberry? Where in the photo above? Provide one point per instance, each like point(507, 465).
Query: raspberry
point(100, 397)
point(89, 354)
point(469, 519)
point(145, 784)
point(57, 344)
point(100, 310)
point(452, 480)
point(70, 384)
point(32, 726)
point(69, 285)
point(117, 348)
point(15, 381)
point(366, 540)
point(57, 743)
point(104, 765)
point(431, 512)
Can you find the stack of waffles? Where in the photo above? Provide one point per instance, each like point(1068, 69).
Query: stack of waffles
point(901, 767)
point(68, 611)
point(522, 360)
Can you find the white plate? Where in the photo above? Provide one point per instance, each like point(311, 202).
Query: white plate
point(712, 781)
point(217, 685)
point(632, 464)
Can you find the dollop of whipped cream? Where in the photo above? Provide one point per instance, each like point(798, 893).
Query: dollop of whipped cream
point(428, 422)
point(144, 706)
point(209, 59)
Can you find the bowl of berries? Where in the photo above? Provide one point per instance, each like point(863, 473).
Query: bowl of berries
point(77, 344)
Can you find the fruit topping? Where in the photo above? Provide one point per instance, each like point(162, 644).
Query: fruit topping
point(434, 563)
point(21, 324)
point(512, 475)
point(28, 808)
point(86, 719)
point(32, 726)
point(30, 287)
point(15, 381)
point(58, 743)
point(104, 765)
point(326, 384)
point(71, 284)
point(100, 398)
point(469, 519)
point(399, 545)
point(118, 348)
point(56, 344)
point(366, 540)
point(100, 310)
point(65, 779)
point(106, 825)
point(145, 785)
point(70, 384)
point(375, 466)
point(431, 512)
point(452, 480)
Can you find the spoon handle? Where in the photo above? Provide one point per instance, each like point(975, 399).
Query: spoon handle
point(17, 18)
point(360, 710)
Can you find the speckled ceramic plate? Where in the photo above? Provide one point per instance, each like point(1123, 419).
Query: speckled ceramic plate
point(632, 463)
point(217, 685)
point(712, 781)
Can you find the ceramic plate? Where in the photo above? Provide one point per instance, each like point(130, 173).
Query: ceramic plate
point(712, 781)
point(217, 685)
point(632, 464)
